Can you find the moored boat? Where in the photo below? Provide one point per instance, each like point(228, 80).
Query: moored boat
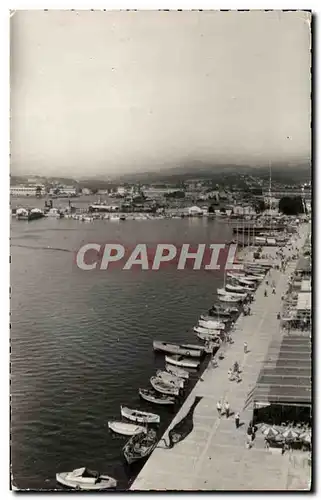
point(226, 311)
point(205, 317)
point(140, 446)
point(125, 429)
point(243, 281)
point(212, 324)
point(222, 291)
point(139, 416)
point(85, 479)
point(176, 349)
point(171, 379)
point(227, 298)
point(179, 372)
point(194, 346)
point(236, 288)
point(163, 387)
point(181, 361)
point(208, 338)
point(206, 331)
point(155, 397)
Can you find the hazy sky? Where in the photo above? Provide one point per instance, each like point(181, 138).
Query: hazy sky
point(104, 92)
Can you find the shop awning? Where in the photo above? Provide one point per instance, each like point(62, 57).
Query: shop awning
point(286, 374)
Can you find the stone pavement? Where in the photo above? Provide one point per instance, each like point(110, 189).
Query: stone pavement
point(214, 456)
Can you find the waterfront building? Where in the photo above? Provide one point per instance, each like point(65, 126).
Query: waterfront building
point(31, 190)
point(155, 192)
point(68, 190)
point(246, 210)
point(121, 191)
point(194, 211)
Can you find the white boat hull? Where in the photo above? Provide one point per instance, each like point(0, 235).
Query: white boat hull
point(171, 379)
point(180, 361)
point(176, 349)
point(206, 331)
point(159, 401)
point(139, 416)
point(223, 292)
point(225, 298)
point(126, 429)
point(207, 337)
point(163, 387)
point(212, 325)
point(179, 372)
point(105, 484)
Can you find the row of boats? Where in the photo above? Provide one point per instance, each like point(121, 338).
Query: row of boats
point(169, 383)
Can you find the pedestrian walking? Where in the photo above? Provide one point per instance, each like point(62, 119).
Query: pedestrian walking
point(227, 409)
point(237, 420)
point(245, 347)
point(236, 367)
point(219, 408)
point(230, 374)
point(266, 443)
point(273, 290)
point(214, 362)
point(265, 293)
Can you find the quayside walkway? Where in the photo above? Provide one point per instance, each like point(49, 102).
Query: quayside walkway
point(214, 455)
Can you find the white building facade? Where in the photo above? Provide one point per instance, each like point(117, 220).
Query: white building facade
point(34, 190)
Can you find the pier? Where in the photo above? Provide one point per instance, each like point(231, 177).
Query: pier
point(214, 456)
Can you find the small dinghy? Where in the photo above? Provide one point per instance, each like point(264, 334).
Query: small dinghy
point(176, 349)
point(229, 298)
point(194, 346)
point(236, 288)
point(212, 325)
point(85, 479)
point(139, 416)
point(205, 317)
point(181, 361)
point(222, 291)
point(179, 372)
point(252, 276)
point(171, 379)
point(207, 331)
point(140, 446)
point(156, 397)
point(126, 429)
point(226, 311)
point(208, 337)
point(160, 386)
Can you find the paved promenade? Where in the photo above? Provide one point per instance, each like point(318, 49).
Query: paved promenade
point(214, 456)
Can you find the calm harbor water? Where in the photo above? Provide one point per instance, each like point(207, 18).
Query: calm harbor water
point(81, 342)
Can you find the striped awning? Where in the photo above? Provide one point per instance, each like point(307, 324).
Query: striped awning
point(286, 374)
point(304, 301)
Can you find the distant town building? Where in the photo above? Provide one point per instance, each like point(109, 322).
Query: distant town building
point(154, 192)
point(194, 211)
point(31, 190)
point(68, 190)
point(121, 190)
point(86, 191)
point(246, 210)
